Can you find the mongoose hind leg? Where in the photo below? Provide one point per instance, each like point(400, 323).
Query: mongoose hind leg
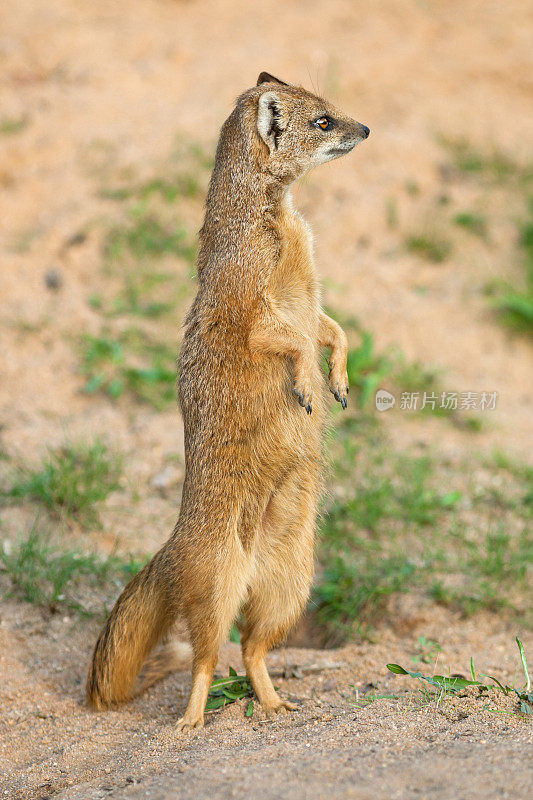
point(280, 588)
point(202, 676)
point(209, 615)
point(207, 633)
point(257, 671)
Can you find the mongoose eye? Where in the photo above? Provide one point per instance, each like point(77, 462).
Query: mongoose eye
point(324, 123)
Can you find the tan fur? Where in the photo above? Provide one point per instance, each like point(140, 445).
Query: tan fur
point(171, 656)
point(249, 372)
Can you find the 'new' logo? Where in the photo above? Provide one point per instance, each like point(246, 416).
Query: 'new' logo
point(384, 400)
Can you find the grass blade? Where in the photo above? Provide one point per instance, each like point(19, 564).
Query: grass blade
point(524, 664)
point(397, 669)
point(224, 691)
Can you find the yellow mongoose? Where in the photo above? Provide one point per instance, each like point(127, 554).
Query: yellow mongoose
point(249, 362)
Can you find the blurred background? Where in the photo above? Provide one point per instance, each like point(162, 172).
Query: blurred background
point(109, 116)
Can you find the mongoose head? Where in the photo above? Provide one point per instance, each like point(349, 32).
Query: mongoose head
point(299, 130)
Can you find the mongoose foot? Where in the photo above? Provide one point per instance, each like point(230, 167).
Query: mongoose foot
point(338, 385)
point(304, 398)
point(186, 725)
point(284, 705)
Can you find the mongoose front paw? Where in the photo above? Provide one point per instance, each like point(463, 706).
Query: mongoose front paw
point(338, 385)
point(304, 398)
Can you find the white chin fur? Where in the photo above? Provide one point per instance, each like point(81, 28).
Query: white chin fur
point(324, 155)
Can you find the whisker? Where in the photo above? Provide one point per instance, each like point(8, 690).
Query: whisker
point(311, 80)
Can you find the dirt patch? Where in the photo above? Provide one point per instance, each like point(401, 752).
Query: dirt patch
point(96, 96)
point(339, 739)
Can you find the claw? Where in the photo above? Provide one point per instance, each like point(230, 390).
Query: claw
point(336, 395)
point(283, 705)
point(344, 403)
point(309, 408)
point(185, 726)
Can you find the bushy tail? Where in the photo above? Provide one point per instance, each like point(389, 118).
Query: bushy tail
point(172, 656)
point(142, 615)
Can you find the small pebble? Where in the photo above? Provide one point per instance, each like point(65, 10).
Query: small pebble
point(53, 280)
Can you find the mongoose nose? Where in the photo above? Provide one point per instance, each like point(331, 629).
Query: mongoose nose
point(366, 131)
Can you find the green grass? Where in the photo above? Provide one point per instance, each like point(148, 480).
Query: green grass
point(428, 247)
point(474, 223)
point(186, 184)
point(169, 189)
point(412, 188)
point(73, 479)
point(224, 691)
point(364, 699)
point(490, 567)
point(185, 176)
point(384, 496)
point(134, 299)
point(522, 472)
point(132, 364)
point(366, 368)
point(517, 310)
point(516, 305)
point(12, 125)
point(352, 589)
point(495, 563)
point(500, 179)
point(122, 361)
point(44, 573)
point(427, 651)
point(391, 209)
point(501, 557)
point(369, 370)
point(393, 486)
point(147, 237)
point(151, 295)
point(490, 164)
point(396, 523)
point(416, 377)
point(441, 686)
point(151, 228)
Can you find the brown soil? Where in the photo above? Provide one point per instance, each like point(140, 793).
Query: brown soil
point(103, 90)
point(467, 746)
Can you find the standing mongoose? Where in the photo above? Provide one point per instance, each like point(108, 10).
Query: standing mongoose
point(252, 396)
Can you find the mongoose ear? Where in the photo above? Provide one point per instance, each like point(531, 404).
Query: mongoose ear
point(270, 119)
point(266, 77)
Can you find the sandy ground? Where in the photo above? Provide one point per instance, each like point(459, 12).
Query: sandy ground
point(465, 747)
point(106, 89)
